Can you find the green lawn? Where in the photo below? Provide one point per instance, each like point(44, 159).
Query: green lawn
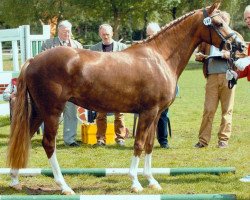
point(185, 114)
point(8, 62)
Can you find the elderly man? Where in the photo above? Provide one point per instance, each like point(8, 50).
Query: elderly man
point(108, 45)
point(70, 110)
point(215, 65)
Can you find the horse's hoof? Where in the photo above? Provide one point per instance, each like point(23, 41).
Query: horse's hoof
point(17, 186)
point(136, 190)
point(155, 187)
point(68, 192)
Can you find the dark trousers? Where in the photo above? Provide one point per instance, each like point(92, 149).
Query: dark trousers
point(162, 128)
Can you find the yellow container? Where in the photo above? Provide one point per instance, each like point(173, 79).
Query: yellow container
point(89, 133)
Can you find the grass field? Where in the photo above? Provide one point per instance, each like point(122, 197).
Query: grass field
point(185, 114)
point(8, 62)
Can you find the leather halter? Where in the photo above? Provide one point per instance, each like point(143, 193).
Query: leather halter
point(208, 22)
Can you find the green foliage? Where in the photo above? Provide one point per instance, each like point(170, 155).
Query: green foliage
point(185, 115)
point(128, 18)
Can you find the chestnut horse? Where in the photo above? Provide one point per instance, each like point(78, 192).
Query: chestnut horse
point(140, 79)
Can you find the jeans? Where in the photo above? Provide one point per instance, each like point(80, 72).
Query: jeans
point(162, 128)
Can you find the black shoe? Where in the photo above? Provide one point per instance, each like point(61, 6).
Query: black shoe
point(120, 143)
point(165, 146)
point(199, 145)
point(74, 144)
point(99, 144)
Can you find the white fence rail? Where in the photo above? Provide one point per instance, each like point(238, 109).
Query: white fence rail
point(29, 45)
point(23, 45)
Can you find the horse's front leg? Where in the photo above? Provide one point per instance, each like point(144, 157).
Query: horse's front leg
point(136, 186)
point(147, 171)
point(49, 145)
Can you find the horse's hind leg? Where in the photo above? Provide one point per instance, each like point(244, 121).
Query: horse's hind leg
point(148, 157)
point(49, 144)
point(14, 179)
point(35, 122)
point(58, 176)
point(145, 122)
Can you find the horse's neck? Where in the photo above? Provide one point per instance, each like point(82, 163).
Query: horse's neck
point(177, 43)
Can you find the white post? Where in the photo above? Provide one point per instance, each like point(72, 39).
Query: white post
point(15, 55)
point(38, 39)
point(22, 44)
point(27, 42)
point(46, 31)
point(1, 57)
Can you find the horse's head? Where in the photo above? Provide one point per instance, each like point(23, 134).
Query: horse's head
point(218, 31)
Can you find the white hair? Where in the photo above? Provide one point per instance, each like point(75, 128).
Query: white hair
point(106, 26)
point(65, 23)
point(247, 9)
point(153, 27)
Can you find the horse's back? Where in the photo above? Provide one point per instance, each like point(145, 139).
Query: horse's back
point(118, 81)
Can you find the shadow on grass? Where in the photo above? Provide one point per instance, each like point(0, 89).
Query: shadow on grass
point(30, 191)
point(41, 191)
point(4, 144)
point(3, 136)
point(208, 178)
point(193, 65)
point(4, 121)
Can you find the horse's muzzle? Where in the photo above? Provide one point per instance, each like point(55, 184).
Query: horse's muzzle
point(236, 45)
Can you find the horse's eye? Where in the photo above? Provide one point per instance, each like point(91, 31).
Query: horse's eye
point(220, 25)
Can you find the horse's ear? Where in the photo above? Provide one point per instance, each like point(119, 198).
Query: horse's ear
point(215, 6)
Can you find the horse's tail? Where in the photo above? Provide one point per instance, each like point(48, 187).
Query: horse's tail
point(19, 141)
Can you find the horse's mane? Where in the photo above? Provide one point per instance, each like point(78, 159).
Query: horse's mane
point(167, 26)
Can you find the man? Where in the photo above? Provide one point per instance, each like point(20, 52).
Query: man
point(242, 64)
point(108, 45)
point(217, 91)
point(9, 94)
point(70, 110)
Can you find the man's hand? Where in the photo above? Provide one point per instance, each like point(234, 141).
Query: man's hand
point(241, 63)
point(230, 74)
point(225, 54)
point(200, 57)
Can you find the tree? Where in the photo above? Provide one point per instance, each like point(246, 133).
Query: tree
point(128, 18)
point(35, 12)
